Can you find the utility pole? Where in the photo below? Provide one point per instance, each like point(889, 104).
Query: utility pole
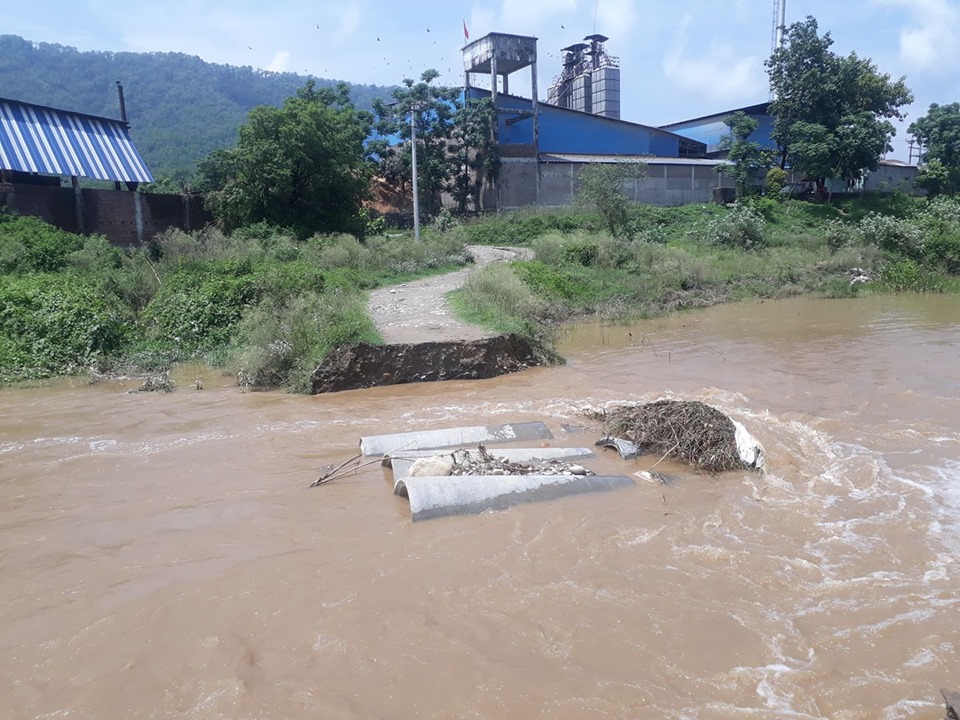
point(416, 191)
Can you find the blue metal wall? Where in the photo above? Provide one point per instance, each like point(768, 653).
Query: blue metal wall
point(569, 131)
point(711, 130)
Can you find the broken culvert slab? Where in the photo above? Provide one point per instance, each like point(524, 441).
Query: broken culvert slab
point(433, 497)
point(453, 437)
point(364, 365)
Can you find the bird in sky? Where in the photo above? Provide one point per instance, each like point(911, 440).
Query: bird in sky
point(378, 38)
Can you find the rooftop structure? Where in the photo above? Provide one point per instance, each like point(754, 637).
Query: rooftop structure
point(37, 139)
point(590, 79)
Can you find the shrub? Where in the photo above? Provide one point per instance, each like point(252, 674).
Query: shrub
point(743, 227)
point(776, 180)
point(943, 251)
point(280, 344)
point(892, 234)
point(601, 188)
point(56, 325)
point(907, 276)
point(580, 253)
point(838, 234)
point(548, 282)
point(197, 309)
point(28, 244)
point(495, 296)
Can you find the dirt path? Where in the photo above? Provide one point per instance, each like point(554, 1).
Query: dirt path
point(419, 312)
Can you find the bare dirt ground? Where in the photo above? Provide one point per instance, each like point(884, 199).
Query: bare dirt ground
point(418, 311)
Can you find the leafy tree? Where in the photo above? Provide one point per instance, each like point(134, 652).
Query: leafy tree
point(302, 166)
point(938, 132)
point(432, 108)
point(746, 156)
point(832, 113)
point(474, 152)
point(601, 187)
point(456, 153)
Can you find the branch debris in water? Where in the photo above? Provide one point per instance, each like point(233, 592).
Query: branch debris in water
point(688, 431)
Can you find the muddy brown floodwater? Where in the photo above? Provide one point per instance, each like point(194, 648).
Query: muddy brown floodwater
point(161, 555)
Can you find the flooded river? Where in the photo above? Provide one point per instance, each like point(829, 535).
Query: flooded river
point(161, 555)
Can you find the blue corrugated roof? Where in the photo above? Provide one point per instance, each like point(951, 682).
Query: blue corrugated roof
point(39, 139)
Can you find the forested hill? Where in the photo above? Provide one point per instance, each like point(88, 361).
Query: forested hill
point(179, 107)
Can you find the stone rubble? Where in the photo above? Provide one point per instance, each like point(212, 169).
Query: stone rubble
point(483, 462)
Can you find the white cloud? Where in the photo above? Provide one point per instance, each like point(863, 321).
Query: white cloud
point(615, 16)
point(280, 62)
point(718, 72)
point(932, 41)
point(526, 16)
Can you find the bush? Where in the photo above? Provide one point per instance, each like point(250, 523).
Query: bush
point(495, 296)
point(197, 309)
point(28, 244)
point(743, 227)
point(893, 234)
point(56, 325)
point(907, 276)
point(580, 253)
point(281, 344)
point(943, 252)
point(521, 228)
point(776, 180)
point(838, 234)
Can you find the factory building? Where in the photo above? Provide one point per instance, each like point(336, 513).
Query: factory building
point(544, 145)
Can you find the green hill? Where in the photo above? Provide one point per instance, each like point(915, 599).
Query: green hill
point(179, 107)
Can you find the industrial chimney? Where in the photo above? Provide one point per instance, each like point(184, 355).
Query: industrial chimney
point(590, 79)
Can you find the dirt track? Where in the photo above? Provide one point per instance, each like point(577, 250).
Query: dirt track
point(419, 312)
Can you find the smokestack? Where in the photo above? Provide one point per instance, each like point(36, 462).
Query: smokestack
point(123, 105)
point(781, 24)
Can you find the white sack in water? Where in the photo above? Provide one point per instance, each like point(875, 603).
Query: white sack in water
point(435, 466)
point(748, 447)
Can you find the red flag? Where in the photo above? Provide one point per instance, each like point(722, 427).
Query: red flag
point(466, 33)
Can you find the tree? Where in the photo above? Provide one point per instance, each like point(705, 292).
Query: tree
point(432, 108)
point(832, 113)
point(456, 153)
point(474, 150)
point(746, 156)
point(938, 133)
point(601, 187)
point(302, 166)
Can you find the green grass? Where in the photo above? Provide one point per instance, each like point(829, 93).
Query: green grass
point(265, 303)
point(685, 257)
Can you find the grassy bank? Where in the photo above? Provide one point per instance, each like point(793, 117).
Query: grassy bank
point(257, 302)
point(669, 259)
point(262, 303)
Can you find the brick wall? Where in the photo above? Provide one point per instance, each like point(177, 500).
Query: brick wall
point(123, 217)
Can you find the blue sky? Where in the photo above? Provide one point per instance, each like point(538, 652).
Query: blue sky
point(679, 59)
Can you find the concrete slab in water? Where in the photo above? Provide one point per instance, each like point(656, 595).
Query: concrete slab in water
point(432, 497)
point(401, 462)
point(453, 437)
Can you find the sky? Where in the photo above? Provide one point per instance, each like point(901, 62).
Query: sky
point(679, 59)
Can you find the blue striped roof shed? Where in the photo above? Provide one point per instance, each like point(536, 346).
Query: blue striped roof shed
point(39, 139)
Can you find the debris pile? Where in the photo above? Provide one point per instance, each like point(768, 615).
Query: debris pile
point(689, 431)
point(483, 462)
point(155, 382)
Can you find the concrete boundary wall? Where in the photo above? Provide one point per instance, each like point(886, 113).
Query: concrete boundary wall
point(664, 184)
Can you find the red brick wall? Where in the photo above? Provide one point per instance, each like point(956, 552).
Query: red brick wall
point(112, 213)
